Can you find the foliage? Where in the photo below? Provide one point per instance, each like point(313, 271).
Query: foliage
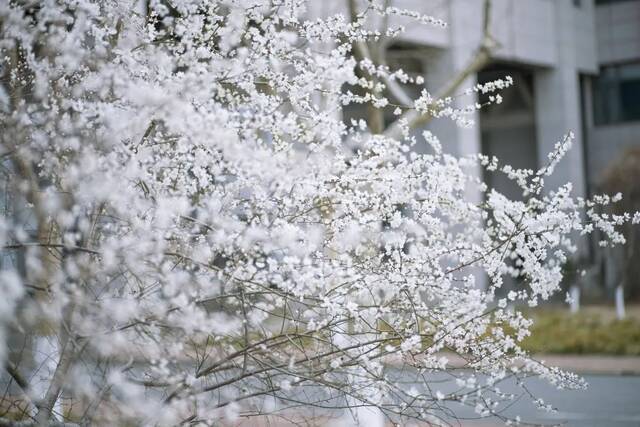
point(193, 234)
point(586, 332)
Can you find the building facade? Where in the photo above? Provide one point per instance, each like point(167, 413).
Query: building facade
point(612, 95)
point(576, 67)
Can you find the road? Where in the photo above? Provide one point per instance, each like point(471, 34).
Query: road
point(610, 401)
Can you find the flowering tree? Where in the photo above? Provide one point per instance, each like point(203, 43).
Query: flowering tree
point(191, 233)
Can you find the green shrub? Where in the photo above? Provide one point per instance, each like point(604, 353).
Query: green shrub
point(560, 332)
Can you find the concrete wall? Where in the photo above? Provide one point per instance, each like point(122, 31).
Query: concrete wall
point(528, 31)
point(618, 32)
point(525, 31)
point(618, 41)
point(606, 143)
point(554, 37)
point(557, 97)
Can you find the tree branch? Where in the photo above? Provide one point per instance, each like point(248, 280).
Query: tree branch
point(17, 376)
point(479, 60)
point(361, 51)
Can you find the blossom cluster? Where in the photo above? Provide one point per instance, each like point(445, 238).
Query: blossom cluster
point(192, 233)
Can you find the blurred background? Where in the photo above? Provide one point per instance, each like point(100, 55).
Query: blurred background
point(576, 67)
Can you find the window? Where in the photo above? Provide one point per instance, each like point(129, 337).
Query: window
point(616, 94)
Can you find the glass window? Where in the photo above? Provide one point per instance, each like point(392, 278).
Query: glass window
point(616, 94)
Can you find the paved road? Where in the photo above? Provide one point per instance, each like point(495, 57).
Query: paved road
point(610, 401)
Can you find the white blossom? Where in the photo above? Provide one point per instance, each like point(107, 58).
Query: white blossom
point(193, 224)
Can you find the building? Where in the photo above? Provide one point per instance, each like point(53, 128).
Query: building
point(611, 98)
point(576, 65)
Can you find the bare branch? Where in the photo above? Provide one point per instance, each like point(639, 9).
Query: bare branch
point(479, 60)
point(17, 376)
